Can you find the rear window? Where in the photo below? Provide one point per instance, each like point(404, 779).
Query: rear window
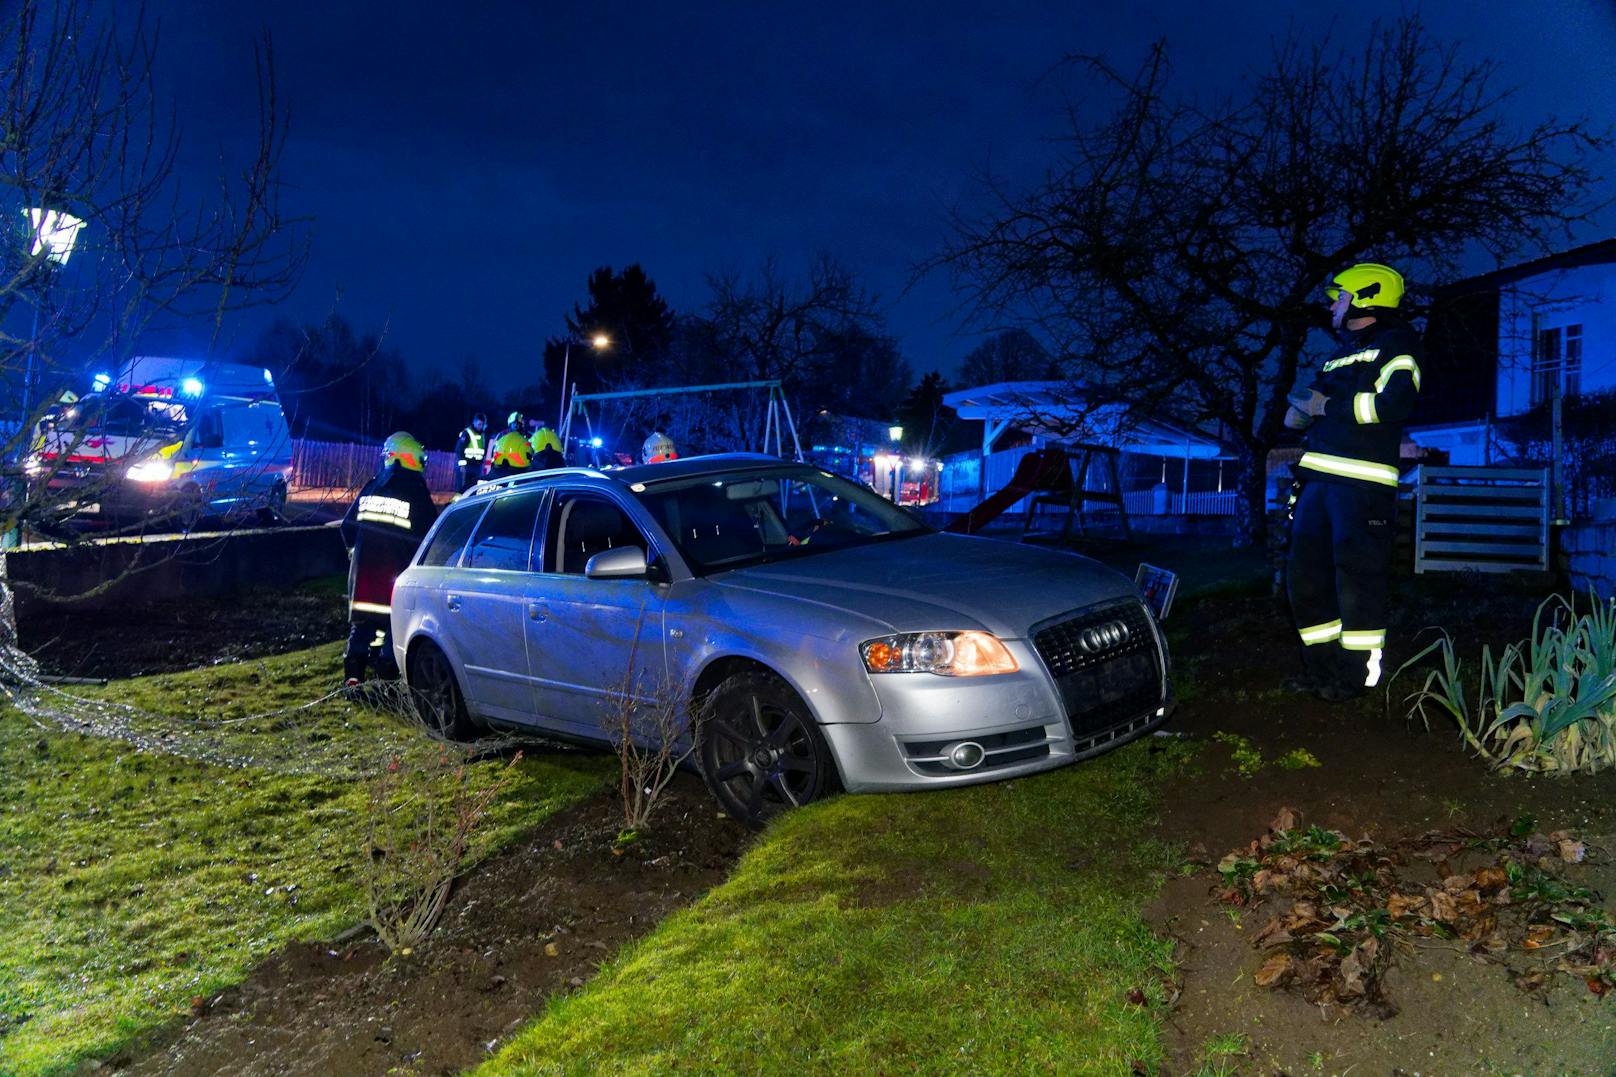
point(450, 537)
point(504, 539)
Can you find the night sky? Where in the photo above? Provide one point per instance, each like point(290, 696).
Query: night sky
point(466, 171)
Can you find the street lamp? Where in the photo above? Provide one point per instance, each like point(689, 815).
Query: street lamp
point(600, 342)
point(895, 435)
point(54, 233)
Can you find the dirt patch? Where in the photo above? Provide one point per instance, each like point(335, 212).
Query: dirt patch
point(536, 921)
point(167, 637)
point(1379, 779)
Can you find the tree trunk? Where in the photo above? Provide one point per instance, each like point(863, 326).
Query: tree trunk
point(1251, 527)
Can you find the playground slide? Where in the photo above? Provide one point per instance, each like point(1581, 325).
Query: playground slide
point(1038, 472)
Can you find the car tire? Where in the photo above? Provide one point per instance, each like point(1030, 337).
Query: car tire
point(436, 694)
point(760, 750)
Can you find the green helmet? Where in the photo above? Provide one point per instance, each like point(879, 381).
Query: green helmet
point(515, 421)
point(404, 450)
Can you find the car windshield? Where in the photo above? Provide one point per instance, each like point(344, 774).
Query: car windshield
point(123, 416)
point(726, 520)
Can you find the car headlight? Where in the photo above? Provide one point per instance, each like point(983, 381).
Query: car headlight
point(950, 654)
point(33, 466)
point(154, 470)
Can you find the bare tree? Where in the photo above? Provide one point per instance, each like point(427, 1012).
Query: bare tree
point(1175, 251)
point(83, 133)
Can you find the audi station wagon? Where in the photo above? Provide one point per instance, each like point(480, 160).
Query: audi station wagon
point(826, 638)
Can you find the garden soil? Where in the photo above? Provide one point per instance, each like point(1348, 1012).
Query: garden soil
point(533, 922)
point(1382, 777)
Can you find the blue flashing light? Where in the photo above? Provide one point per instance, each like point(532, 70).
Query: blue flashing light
point(269, 379)
point(595, 443)
point(101, 382)
point(191, 387)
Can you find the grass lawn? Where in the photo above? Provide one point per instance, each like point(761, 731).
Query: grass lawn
point(992, 929)
point(131, 882)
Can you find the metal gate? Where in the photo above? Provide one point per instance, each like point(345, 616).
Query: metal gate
point(1486, 519)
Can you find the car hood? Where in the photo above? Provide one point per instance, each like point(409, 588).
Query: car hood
point(940, 581)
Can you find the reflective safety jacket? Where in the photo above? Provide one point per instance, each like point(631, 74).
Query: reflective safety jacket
point(469, 449)
point(382, 530)
point(1372, 381)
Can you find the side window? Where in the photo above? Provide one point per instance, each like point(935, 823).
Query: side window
point(504, 539)
point(210, 430)
point(582, 525)
point(447, 541)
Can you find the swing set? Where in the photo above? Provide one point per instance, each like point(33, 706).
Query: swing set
point(777, 418)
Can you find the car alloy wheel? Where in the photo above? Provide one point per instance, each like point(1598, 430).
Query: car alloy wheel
point(437, 694)
point(760, 750)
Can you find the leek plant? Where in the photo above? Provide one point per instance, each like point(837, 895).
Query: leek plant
point(1545, 705)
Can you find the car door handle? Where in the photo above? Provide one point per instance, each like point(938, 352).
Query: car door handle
point(452, 601)
point(536, 612)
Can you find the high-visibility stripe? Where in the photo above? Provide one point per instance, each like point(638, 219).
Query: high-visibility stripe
point(381, 638)
point(381, 518)
point(1323, 633)
point(1349, 468)
point(1365, 356)
point(369, 607)
point(1363, 639)
point(1363, 408)
point(1402, 362)
point(1372, 671)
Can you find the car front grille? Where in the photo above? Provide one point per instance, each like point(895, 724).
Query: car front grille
point(1105, 665)
point(1000, 750)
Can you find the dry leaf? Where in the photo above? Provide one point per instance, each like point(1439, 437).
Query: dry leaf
point(1492, 878)
point(1401, 905)
point(550, 950)
point(1573, 851)
point(1275, 971)
point(1443, 907)
point(1287, 819)
point(1538, 937)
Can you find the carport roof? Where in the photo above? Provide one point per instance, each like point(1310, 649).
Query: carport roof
point(1043, 407)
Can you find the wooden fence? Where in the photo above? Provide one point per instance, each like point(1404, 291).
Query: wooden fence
point(342, 465)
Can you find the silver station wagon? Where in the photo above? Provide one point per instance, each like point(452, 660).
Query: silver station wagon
point(828, 638)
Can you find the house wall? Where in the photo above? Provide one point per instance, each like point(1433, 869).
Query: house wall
point(1586, 296)
point(1590, 551)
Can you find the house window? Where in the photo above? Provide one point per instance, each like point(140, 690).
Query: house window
point(1556, 357)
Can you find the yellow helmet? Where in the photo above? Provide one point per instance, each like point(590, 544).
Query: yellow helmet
point(1371, 285)
point(545, 438)
point(404, 450)
point(511, 450)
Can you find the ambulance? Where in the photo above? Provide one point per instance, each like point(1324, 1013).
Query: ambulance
point(164, 442)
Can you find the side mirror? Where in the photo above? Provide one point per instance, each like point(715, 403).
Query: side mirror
point(622, 563)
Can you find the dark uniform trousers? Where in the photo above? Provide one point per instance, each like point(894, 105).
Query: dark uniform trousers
point(1340, 557)
point(370, 639)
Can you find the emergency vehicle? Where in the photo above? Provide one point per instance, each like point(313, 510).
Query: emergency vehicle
point(165, 440)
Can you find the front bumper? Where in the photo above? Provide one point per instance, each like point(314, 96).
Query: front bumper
point(1018, 719)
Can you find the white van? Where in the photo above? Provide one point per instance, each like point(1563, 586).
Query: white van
point(165, 440)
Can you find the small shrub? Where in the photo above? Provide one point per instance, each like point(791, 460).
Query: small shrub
point(653, 731)
point(422, 811)
point(1545, 704)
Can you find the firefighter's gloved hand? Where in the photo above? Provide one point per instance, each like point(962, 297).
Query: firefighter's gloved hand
point(1310, 403)
point(1296, 420)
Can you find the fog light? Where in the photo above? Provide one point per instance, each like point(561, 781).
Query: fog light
point(967, 755)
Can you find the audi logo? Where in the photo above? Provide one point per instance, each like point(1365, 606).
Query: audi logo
point(1104, 637)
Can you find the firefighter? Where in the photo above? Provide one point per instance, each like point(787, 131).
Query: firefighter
point(517, 422)
point(657, 448)
point(382, 529)
point(546, 448)
point(469, 453)
point(1345, 510)
point(510, 454)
